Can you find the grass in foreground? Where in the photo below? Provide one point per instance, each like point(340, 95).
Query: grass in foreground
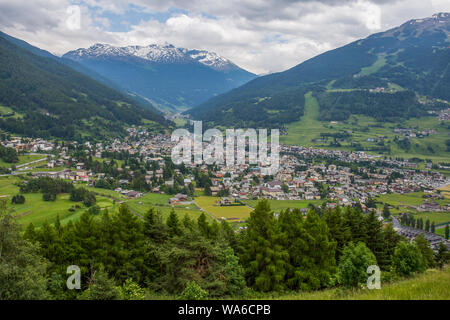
point(431, 285)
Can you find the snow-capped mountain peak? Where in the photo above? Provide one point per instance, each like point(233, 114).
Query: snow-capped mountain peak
point(166, 53)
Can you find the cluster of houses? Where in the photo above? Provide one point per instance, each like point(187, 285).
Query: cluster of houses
point(29, 144)
point(412, 133)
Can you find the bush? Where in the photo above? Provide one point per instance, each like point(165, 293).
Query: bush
point(131, 291)
point(407, 259)
point(49, 196)
point(352, 269)
point(193, 292)
point(18, 199)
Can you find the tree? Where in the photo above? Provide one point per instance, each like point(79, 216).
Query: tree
point(264, 259)
point(22, 268)
point(442, 257)
point(374, 239)
point(101, 288)
point(338, 230)
point(425, 249)
point(386, 211)
point(354, 220)
point(352, 268)
point(18, 199)
point(432, 227)
point(193, 292)
point(154, 227)
point(173, 224)
point(427, 225)
point(208, 190)
point(131, 291)
point(407, 259)
point(446, 232)
point(391, 239)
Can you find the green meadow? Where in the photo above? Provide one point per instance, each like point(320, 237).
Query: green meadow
point(22, 160)
point(431, 285)
point(278, 205)
point(161, 203)
point(364, 129)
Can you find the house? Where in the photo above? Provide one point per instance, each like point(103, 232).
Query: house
point(79, 166)
point(133, 194)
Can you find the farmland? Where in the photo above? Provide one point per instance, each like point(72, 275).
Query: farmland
point(161, 203)
point(364, 133)
point(278, 205)
point(228, 212)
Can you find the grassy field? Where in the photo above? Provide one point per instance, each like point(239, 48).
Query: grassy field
point(403, 203)
point(364, 129)
point(431, 285)
point(278, 205)
point(36, 210)
point(161, 203)
point(107, 193)
point(228, 212)
point(22, 160)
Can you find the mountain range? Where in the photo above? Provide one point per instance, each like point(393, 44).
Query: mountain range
point(171, 78)
point(387, 75)
point(41, 96)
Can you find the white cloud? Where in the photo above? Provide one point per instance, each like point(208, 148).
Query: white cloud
point(259, 35)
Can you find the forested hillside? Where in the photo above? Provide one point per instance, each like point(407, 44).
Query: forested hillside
point(50, 99)
point(358, 78)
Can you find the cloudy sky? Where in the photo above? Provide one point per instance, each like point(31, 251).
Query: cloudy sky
point(259, 35)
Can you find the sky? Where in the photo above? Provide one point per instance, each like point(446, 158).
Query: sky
point(261, 36)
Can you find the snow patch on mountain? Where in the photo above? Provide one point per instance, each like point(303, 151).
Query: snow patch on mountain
point(156, 53)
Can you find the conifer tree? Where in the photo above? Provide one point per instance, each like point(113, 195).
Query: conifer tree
point(264, 259)
point(425, 249)
point(173, 224)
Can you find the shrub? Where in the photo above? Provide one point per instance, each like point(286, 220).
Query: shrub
point(407, 259)
point(131, 291)
point(193, 292)
point(352, 269)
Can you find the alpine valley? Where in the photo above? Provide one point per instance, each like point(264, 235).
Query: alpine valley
point(358, 97)
point(172, 78)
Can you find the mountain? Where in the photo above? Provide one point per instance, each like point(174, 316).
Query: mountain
point(42, 97)
point(379, 76)
point(173, 78)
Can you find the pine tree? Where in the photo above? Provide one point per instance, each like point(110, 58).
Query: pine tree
point(391, 239)
point(375, 239)
point(354, 220)
point(427, 225)
point(173, 224)
point(264, 259)
point(432, 227)
point(446, 232)
point(154, 227)
point(338, 230)
point(386, 211)
point(425, 249)
point(442, 257)
point(102, 288)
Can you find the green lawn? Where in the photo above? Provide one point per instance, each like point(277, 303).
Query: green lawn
point(229, 212)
